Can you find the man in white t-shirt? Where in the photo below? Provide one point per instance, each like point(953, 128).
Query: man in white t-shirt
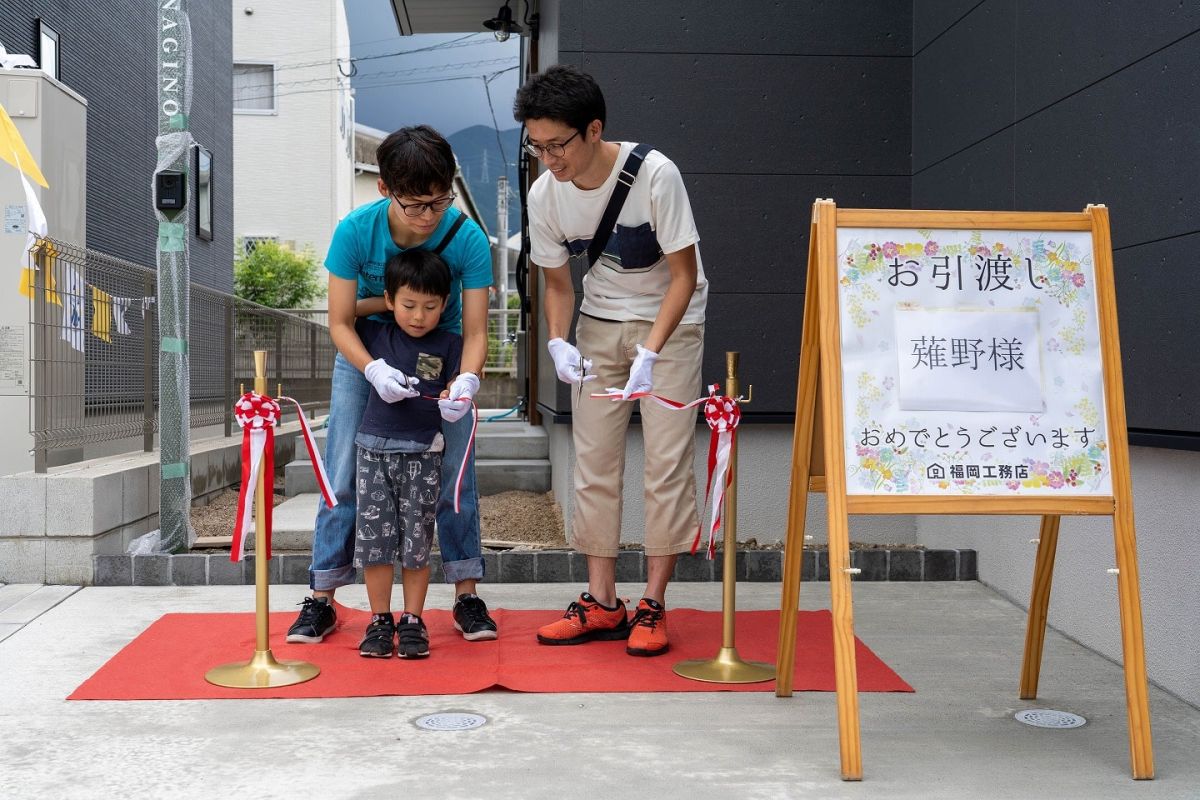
point(641, 327)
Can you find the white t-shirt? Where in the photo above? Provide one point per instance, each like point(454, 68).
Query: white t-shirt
point(629, 280)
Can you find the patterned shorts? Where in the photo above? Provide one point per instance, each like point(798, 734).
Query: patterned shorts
point(397, 507)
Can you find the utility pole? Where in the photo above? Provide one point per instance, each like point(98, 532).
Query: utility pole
point(500, 262)
point(174, 145)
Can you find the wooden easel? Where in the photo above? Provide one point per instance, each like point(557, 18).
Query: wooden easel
point(818, 464)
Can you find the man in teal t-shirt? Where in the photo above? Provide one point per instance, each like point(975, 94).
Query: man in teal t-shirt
point(416, 173)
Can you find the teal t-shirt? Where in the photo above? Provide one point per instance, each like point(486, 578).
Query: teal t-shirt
point(362, 243)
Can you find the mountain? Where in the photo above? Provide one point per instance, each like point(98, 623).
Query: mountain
point(480, 157)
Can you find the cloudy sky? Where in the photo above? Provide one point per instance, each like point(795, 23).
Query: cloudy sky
point(442, 87)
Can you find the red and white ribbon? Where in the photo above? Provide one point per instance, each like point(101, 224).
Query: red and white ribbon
point(314, 455)
point(462, 468)
point(466, 459)
point(722, 415)
point(257, 415)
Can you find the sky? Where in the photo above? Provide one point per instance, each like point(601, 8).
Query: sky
point(443, 87)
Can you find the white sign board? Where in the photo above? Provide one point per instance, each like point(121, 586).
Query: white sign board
point(971, 363)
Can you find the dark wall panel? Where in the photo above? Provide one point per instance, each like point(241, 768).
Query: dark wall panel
point(1102, 106)
point(866, 27)
point(962, 84)
point(764, 107)
point(107, 55)
point(932, 18)
point(1109, 37)
point(754, 228)
point(978, 178)
point(1158, 294)
point(1128, 142)
point(769, 114)
point(765, 329)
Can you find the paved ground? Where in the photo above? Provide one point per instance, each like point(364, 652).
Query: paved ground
point(957, 643)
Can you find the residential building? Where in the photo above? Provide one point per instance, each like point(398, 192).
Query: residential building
point(293, 122)
point(987, 106)
point(104, 54)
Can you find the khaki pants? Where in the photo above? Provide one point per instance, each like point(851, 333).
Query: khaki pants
point(599, 432)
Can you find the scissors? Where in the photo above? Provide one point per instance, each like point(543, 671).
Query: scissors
point(582, 374)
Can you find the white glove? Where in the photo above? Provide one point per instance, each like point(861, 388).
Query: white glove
point(392, 384)
point(640, 379)
point(462, 392)
point(567, 361)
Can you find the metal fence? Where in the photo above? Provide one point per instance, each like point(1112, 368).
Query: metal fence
point(94, 352)
point(503, 327)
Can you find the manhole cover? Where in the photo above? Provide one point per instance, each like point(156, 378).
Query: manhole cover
point(450, 721)
point(1048, 718)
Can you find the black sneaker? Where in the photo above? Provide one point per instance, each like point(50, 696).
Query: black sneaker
point(316, 619)
point(471, 619)
point(413, 638)
point(380, 636)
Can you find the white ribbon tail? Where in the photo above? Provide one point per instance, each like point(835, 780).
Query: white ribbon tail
point(462, 468)
point(258, 442)
point(724, 448)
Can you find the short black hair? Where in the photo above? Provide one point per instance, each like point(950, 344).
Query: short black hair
point(562, 93)
point(419, 270)
point(416, 161)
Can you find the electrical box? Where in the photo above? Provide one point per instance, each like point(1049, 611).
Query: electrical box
point(170, 190)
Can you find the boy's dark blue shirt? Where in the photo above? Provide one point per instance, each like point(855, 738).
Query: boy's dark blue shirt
point(433, 359)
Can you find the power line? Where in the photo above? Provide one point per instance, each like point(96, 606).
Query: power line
point(364, 88)
point(453, 43)
point(388, 74)
point(496, 125)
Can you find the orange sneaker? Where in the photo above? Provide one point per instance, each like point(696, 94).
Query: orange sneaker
point(585, 621)
point(648, 630)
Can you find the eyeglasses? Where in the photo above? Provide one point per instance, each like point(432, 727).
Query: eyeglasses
point(417, 209)
point(556, 149)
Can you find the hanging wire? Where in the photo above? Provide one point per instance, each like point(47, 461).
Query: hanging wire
point(462, 41)
point(496, 125)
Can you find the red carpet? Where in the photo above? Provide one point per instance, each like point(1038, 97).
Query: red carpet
point(169, 659)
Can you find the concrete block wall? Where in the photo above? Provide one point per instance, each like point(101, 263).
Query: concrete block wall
point(53, 524)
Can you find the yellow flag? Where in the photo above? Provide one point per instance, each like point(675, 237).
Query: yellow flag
point(28, 284)
point(14, 151)
point(101, 315)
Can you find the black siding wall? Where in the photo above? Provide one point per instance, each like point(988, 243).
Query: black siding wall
point(1029, 105)
point(763, 106)
point(108, 56)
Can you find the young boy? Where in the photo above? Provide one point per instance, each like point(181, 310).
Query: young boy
point(400, 450)
point(641, 326)
point(415, 210)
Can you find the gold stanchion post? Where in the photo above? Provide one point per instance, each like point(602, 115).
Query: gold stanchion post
point(727, 666)
point(262, 671)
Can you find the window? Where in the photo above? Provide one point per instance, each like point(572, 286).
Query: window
point(204, 197)
point(48, 50)
point(254, 88)
point(251, 242)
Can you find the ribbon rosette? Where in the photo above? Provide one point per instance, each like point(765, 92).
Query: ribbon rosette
point(257, 415)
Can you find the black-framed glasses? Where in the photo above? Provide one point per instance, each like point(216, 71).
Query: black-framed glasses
point(555, 149)
point(417, 209)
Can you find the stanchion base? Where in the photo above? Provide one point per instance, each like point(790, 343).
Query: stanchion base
point(727, 667)
point(261, 672)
